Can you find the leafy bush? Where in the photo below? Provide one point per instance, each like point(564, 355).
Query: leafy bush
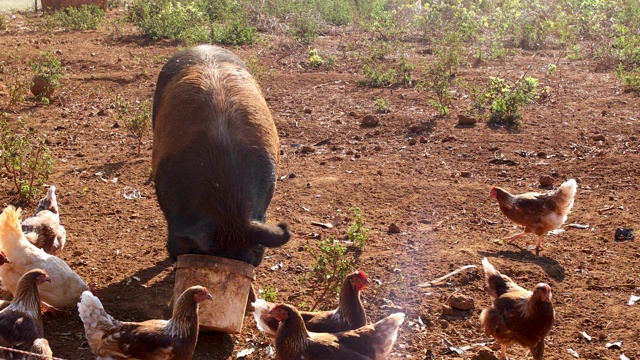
point(194, 21)
point(86, 17)
point(49, 68)
point(629, 78)
point(316, 60)
point(17, 84)
point(505, 101)
point(25, 158)
point(357, 233)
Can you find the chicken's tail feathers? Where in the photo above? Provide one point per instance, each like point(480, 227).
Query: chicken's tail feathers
point(10, 229)
point(387, 331)
point(495, 284)
point(565, 194)
point(264, 321)
point(95, 319)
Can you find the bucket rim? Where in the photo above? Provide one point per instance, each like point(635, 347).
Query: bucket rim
point(215, 263)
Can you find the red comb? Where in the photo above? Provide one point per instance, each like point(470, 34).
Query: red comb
point(362, 274)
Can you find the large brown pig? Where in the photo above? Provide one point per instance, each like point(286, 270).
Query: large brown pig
point(215, 149)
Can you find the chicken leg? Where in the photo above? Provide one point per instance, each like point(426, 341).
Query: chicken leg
point(538, 245)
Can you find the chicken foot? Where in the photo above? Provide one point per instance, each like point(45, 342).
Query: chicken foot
point(511, 239)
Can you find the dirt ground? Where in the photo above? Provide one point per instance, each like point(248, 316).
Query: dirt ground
point(424, 173)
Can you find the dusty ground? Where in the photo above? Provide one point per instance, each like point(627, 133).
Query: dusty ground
point(435, 190)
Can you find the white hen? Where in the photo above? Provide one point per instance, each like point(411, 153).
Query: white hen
point(65, 287)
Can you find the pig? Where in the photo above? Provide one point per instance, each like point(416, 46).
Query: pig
point(214, 157)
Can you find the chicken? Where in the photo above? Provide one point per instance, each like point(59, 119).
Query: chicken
point(518, 316)
point(152, 339)
point(369, 342)
point(40, 347)
point(66, 286)
point(21, 321)
point(538, 213)
point(3, 260)
point(348, 316)
point(43, 229)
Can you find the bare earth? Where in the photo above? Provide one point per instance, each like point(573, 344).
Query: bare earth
point(415, 169)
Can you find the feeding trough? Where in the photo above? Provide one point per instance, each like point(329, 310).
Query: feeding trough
point(228, 280)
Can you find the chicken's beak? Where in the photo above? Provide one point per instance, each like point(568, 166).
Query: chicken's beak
point(209, 297)
point(6, 261)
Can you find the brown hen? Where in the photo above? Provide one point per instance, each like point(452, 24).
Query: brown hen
point(348, 315)
point(538, 213)
point(369, 342)
point(518, 316)
point(173, 339)
point(21, 321)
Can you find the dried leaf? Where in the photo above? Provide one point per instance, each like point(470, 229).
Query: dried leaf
point(633, 300)
point(324, 225)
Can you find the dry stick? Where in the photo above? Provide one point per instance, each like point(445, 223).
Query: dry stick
point(440, 279)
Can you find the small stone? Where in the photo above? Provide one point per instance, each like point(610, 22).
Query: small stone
point(461, 302)
point(394, 229)
point(449, 138)
point(377, 148)
point(292, 175)
point(307, 150)
point(115, 125)
point(546, 181)
point(598, 137)
point(300, 248)
point(412, 141)
point(353, 114)
point(466, 120)
point(307, 111)
point(465, 174)
point(370, 120)
point(446, 310)
point(423, 140)
point(484, 353)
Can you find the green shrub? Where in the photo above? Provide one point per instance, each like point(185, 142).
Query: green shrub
point(333, 260)
point(25, 157)
point(505, 101)
point(185, 21)
point(86, 17)
point(17, 84)
point(629, 78)
point(381, 105)
point(269, 293)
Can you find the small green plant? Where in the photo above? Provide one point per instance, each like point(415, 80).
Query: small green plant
point(314, 58)
point(331, 266)
point(25, 157)
point(382, 105)
point(629, 78)
point(135, 118)
point(307, 27)
point(258, 71)
point(357, 233)
point(269, 293)
point(334, 260)
point(17, 85)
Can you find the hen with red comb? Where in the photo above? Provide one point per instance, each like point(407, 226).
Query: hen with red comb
point(348, 315)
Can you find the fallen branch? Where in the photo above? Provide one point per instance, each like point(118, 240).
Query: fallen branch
point(608, 287)
point(440, 279)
